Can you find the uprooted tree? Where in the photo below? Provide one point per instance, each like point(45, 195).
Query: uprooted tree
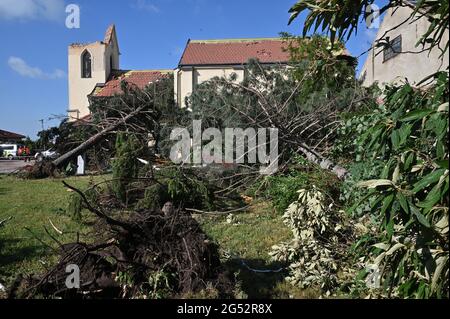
point(157, 253)
point(303, 101)
point(147, 113)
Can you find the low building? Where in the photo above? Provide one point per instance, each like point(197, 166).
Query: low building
point(203, 60)
point(395, 57)
point(10, 137)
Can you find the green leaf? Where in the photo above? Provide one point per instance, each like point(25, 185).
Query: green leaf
point(409, 160)
point(403, 203)
point(432, 198)
point(415, 115)
point(387, 203)
point(428, 179)
point(395, 139)
point(443, 164)
point(390, 228)
point(404, 133)
point(420, 218)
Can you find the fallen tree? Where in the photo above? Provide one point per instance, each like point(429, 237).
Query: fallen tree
point(96, 138)
point(143, 112)
point(303, 102)
point(147, 254)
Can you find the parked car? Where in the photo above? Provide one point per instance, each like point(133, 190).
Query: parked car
point(8, 150)
point(48, 154)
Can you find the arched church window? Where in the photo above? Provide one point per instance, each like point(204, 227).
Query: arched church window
point(86, 65)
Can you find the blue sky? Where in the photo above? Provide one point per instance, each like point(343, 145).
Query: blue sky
point(151, 33)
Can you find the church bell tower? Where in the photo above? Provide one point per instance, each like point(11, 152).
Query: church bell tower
point(89, 65)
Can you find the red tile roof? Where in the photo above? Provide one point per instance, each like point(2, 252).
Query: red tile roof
point(5, 135)
point(138, 78)
point(210, 52)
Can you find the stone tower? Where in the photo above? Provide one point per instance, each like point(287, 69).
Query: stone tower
point(90, 64)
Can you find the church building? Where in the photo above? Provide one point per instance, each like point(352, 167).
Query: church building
point(94, 68)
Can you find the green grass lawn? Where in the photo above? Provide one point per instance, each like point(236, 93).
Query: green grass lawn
point(248, 239)
point(33, 203)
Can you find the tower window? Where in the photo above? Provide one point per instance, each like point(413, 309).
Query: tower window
point(393, 48)
point(111, 63)
point(86, 65)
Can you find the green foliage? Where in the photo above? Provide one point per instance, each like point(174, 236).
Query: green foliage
point(28, 142)
point(125, 165)
point(340, 18)
point(158, 117)
point(317, 251)
point(46, 138)
point(188, 189)
point(282, 189)
point(409, 195)
point(75, 206)
point(184, 187)
point(358, 197)
point(325, 72)
point(154, 197)
point(161, 284)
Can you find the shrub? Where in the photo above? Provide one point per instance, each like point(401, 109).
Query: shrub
point(154, 197)
point(76, 205)
point(318, 249)
point(282, 189)
point(187, 188)
point(125, 165)
point(409, 194)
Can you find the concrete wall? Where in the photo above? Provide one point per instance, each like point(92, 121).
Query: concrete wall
point(80, 88)
point(413, 67)
point(186, 78)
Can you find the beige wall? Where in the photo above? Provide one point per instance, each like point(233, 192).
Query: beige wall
point(80, 88)
point(186, 78)
point(413, 67)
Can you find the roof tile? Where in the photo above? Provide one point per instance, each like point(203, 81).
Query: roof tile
point(138, 78)
point(235, 52)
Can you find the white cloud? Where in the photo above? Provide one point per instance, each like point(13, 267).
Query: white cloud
point(21, 67)
point(144, 5)
point(370, 34)
point(32, 9)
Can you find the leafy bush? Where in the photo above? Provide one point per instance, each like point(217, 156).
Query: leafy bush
point(125, 165)
point(282, 189)
point(317, 251)
point(184, 187)
point(154, 197)
point(187, 188)
point(410, 194)
point(76, 205)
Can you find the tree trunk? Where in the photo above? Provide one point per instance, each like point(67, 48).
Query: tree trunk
point(324, 163)
point(94, 139)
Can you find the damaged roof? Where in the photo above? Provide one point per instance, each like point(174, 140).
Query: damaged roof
point(140, 79)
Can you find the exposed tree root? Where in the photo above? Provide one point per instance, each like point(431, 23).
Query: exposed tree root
point(161, 254)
